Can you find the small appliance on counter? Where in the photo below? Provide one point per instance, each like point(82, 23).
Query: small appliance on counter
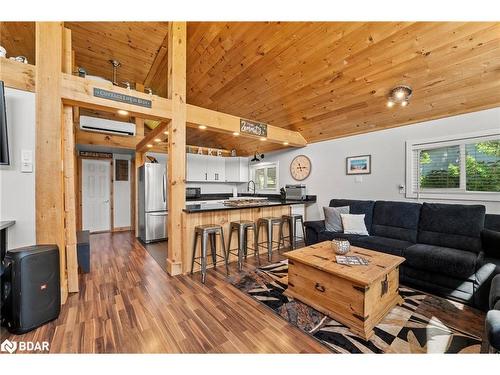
point(153, 205)
point(193, 192)
point(296, 192)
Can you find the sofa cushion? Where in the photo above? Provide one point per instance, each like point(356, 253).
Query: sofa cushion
point(383, 244)
point(442, 260)
point(486, 269)
point(357, 207)
point(396, 220)
point(490, 240)
point(333, 221)
point(354, 224)
point(455, 226)
point(492, 222)
point(328, 236)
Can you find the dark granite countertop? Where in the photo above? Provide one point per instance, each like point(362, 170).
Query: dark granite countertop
point(193, 208)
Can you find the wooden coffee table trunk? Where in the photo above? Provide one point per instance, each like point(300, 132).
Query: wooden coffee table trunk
point(357, 296)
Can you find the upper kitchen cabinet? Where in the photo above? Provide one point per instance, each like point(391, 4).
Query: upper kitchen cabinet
point(237, 169)
point(205, 168)
point(196, 167)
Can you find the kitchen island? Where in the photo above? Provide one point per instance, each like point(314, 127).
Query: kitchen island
point(223, 213)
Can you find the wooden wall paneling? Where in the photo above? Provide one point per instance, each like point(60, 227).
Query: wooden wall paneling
point(69, 175)
point(176, 144)
point(49, 189)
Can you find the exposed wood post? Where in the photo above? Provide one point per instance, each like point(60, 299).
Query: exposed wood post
point(69, 174)
point(49, 155)
point(138, 161)
point(176, 144)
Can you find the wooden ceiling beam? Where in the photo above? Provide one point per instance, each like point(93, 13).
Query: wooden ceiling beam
point(17, 75)
point(79, 91)
point(161, 55)
point(222, 122)
point(151, 136)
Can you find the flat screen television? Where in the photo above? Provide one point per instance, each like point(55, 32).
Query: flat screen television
point(4, 141)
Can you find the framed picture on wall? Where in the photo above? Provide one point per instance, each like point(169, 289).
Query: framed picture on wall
point(361, 164)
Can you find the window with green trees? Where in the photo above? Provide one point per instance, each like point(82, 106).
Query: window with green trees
point(466, 166)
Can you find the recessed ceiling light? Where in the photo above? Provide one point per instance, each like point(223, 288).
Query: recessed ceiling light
point(157, 140)
point(263, 139)
point(285, 143)
point(404, 103)
point(122, 112)
point(236, 134)
point(149, 145)
point(390, 103)
point(166, 132)
point(202, 127)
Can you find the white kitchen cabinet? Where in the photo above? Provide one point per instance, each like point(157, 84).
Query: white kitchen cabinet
point(196, 168)
point(236, 169)
point(205, 168)
point(216, 168)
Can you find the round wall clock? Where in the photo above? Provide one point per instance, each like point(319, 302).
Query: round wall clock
point(300, 168)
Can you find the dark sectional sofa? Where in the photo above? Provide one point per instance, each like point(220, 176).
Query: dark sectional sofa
point(450, 250)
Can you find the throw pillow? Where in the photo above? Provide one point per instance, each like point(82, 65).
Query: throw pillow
point(354, 224)
point(333, 222)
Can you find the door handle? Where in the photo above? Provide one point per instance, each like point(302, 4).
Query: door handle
point(206, 176)
point(106, 201)
point(164, 187)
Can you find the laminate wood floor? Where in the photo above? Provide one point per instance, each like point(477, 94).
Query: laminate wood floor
point(128, 304)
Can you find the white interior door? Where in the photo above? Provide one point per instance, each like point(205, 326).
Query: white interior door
point(96, 195)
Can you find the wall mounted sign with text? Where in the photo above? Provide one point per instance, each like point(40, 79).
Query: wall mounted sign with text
point(253, 128)
point(97, 155)
point(122, 98)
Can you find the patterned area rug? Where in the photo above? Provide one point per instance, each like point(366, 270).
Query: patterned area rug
point(415, 327)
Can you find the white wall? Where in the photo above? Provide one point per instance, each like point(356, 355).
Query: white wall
point(387, 148)
point(121, 197)
point(17, 190)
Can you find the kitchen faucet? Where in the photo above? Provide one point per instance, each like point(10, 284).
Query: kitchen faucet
point(248, 186)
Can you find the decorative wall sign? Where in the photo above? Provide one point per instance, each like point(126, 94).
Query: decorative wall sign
point(121, 170)
point(122, 98)
point(253, 128)
point(93, 154)
point(359, 164)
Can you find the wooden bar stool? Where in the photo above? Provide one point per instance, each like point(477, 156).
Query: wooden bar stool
point(269, 223)
point(291, 221)
point(241, 227)
point(208, 232)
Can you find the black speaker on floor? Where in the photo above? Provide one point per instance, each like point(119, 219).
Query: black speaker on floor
point(31, 287)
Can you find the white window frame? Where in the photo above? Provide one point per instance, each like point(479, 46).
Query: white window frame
point(254, 167)
point(452, 193)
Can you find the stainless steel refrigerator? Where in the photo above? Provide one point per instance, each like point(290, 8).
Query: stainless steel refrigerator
point(153, 205)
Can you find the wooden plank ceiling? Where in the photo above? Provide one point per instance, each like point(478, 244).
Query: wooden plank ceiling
point(324, 79)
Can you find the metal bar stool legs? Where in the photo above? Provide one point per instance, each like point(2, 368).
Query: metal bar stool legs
point(269, 223)
point(291, 222)
point(241, 227)
point(208, 234)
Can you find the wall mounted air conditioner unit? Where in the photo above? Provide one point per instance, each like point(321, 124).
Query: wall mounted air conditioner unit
point(106, 126)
